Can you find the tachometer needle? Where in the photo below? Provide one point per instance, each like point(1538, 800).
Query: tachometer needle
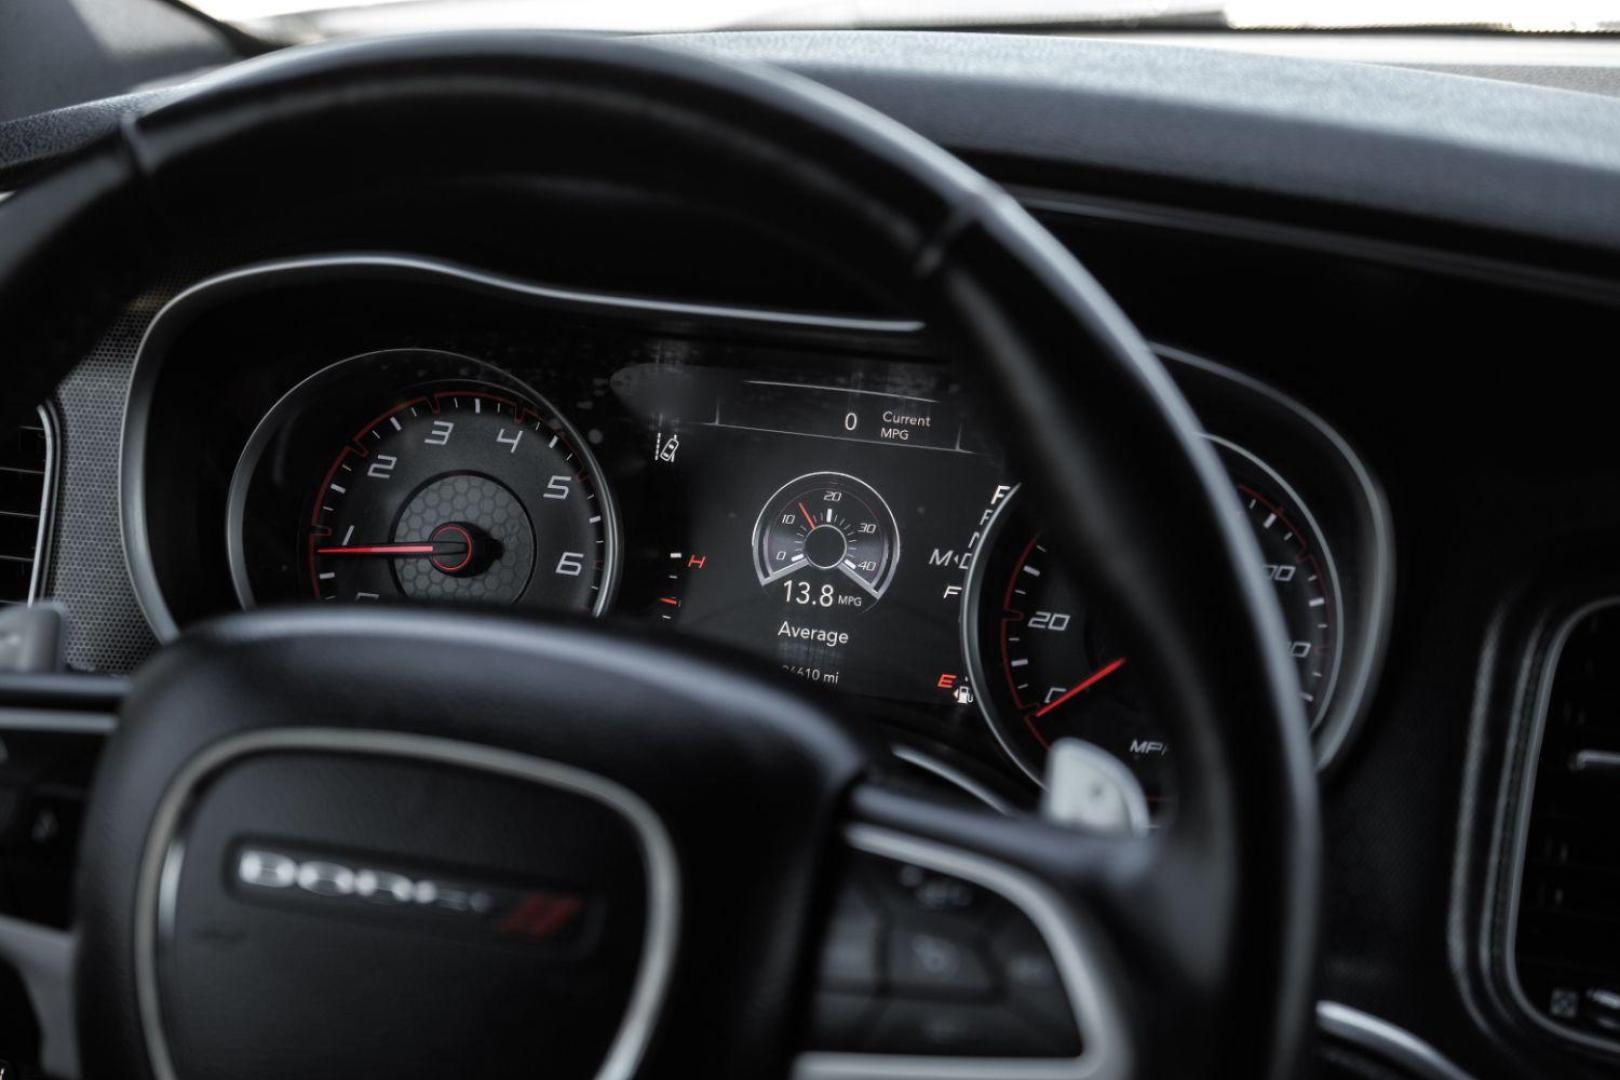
point(809, 518)
point(435, 547)
point(1082, 686)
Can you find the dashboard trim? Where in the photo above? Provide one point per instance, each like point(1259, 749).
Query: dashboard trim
point(1318, 723)
point(1332, 735)
point(51, 426)
point(1386, 1040)
point(1525, 795)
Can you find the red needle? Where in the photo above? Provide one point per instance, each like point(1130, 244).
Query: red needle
point(809, 518)
point(382, 549)
point(1082, 686)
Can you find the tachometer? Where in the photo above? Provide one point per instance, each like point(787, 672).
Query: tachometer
point(459, 494)
point(454, 490)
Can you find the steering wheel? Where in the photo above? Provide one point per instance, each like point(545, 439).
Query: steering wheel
point(339, 842)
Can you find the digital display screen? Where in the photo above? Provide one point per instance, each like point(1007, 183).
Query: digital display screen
point(824, 524)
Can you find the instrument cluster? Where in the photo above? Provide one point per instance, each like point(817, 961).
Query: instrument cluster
point(817, 493)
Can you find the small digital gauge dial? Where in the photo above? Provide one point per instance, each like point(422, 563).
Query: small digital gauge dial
point(827, 539)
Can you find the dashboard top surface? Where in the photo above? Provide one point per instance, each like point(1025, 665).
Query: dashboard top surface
point(1361, 137)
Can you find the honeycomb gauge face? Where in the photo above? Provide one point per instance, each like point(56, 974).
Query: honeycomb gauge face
point(471, 509)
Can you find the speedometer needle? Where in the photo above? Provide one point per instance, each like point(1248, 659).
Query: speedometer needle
point(1082, 686)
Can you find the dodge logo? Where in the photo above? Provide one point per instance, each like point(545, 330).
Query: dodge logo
point(286, 874)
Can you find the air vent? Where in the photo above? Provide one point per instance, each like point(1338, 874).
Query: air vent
point(1566, 948)
point(25, 464)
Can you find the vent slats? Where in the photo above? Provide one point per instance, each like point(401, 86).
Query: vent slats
point(23, 460)
point(1567, 945)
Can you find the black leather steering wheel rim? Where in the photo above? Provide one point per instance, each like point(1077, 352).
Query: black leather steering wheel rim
point(1220, 985)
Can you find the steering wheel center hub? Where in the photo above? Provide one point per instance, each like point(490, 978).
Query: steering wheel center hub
point(481, 906)
point(475, 834)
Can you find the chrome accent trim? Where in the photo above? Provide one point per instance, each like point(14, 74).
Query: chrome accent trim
point(1602, 761)
point(951, 775)
point(1105, 1049)
point(1319, 721)
point(1388, 1041)
point(47, 504)
point(60, 721)
point(144, 374)
point(1520, 839)
point(1606, 761)
point(1332, 735)
point(160, 864)
point(973, 586)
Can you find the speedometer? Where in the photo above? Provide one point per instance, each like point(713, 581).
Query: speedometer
point(1046, 666)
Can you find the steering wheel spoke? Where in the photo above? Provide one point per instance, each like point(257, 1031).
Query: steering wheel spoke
point(43, 957)
point(968, 944)
point(51, 731)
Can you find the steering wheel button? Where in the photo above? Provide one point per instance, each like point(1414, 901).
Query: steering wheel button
point(1034, 986)
point(955, 1030)
point(936, 960)
point(909, 891)
point(936, 892)
point(839, 1020)
point(850, 956)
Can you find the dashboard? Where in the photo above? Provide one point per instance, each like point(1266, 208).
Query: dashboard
point(817, 493)
point(1354, 272)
